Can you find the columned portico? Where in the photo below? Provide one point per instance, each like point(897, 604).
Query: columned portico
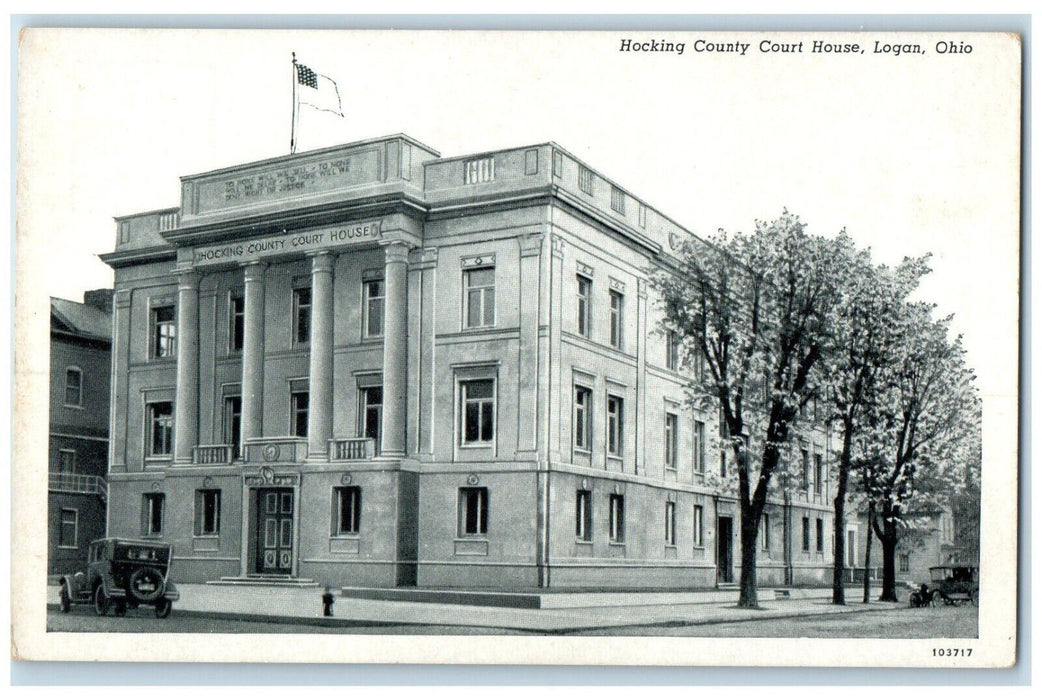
point(320, 385)
point(395, 365)
point(186, 421)
point(253, 352)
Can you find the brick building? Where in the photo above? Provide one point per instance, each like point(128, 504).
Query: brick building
point(372, 365)
point(79, 421)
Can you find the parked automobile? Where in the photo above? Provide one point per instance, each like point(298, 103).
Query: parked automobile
point(954, 583)
point(122, 573)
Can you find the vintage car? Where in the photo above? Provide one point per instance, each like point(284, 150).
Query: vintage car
point(122, 573)
point(954, 583)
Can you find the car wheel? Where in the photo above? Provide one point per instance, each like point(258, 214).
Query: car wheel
point(146, 584)
point(64, 600)
point(101, 601)
point(975, 596)
point(163, 608)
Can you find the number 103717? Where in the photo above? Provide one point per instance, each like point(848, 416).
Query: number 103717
point(952, 651)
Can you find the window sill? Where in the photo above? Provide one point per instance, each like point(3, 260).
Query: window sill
point(616, 544)
point(477, 446)
point(158, 460)
point(588, 543)
point(74, 406)
point(345, 536)
point(699, 548)
point(68, 546)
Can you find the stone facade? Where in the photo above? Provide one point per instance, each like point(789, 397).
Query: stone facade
point(371, 365)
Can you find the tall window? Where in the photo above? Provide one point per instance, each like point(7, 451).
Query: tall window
point(805, 461)
point(583, 432)
point(374, 292)
point(806, 534)
point(618, 200)
point(671, 523)
point(819, 474)
point(473, 511)
point(68, 524)
point(160, 428)
point(480, 297)
point(615, 329)
point(765, 531)
point(207, 512)
point(698, 523)
point(299, 413)
point(671, 441)
point(67, 461)
point(583, 516)
point(582, 301)
point(347, 515)
point(699, 440)
point(152, 513)
point(615, 419)
point(820, 535)
point(904, 563)
point(672, 351)
point(616, 518)
point(164, 332)
point(723, 463)
point(73, 386)
point(233, 424)
point(236, 322)
point(477, 418)
point(372, 412)
point(302, 315)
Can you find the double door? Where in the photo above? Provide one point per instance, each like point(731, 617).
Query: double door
point(274, 532)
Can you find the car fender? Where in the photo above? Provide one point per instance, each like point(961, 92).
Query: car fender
point(171, 591)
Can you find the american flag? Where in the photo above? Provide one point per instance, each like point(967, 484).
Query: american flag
point(322, 92)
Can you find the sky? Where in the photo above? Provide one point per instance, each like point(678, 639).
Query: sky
point(910, 154)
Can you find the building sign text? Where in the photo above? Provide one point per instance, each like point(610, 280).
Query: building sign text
point(309, 241)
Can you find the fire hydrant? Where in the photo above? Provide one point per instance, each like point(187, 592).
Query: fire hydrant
point(327, 602)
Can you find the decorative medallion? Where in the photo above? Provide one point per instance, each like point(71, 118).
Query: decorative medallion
point(155, 485)
point(673, 240)
point(618, 488)
point(472, 479)
point(585, 484)
point(207, 482)
point(271, 452)
point(345, 479)
point(267, 473)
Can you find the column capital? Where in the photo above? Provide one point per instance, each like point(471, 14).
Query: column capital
point(557, 246)
point(423, 258)
point(395, 251)
point(322, 260)
point(531, 244)
point(254, 270)
point(188, 279)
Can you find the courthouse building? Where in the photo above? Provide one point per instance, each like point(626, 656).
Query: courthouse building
point(372, 365)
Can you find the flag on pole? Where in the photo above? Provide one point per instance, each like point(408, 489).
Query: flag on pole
point(317, 90)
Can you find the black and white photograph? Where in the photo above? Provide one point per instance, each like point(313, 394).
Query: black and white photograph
point(517, 347)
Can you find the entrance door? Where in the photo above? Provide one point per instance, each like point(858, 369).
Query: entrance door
point(274, 536)
point(723, 550)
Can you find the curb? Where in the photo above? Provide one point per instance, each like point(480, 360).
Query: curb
point(343, 622)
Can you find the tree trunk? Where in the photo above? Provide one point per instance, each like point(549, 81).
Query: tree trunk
point(747, 593)
point(889, 544)
point(839, 525)
point(868, 551)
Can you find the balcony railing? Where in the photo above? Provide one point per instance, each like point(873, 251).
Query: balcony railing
point(212, 454)
point(350, 449)
point(78, 483)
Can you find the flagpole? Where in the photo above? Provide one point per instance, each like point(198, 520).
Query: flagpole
point(293, 121)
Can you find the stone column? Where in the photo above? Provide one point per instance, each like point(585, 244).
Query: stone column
point(186, 417)
point(320, 375)
point(253, 352)
point(120, 411)
point(396, 310)
point(528, 346)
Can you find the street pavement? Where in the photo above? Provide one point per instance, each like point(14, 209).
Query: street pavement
point(572, 612)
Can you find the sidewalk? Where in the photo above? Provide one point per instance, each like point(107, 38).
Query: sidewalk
point(612, 610)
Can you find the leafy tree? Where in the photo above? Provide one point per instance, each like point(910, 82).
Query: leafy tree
point(759, 311)
point(866, 343)
point(914, 443)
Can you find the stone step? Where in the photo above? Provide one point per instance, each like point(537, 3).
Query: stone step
point(285, 581)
